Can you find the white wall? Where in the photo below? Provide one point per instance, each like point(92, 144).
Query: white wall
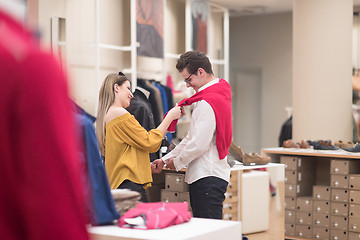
point(114, 29)
point(262, 43)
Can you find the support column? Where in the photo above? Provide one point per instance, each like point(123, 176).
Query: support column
point(322, 69)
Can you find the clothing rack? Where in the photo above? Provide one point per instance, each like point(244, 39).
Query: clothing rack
point(151, 75)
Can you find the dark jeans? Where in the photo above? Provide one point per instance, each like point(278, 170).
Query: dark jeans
point(206, 197)
point(127, 184)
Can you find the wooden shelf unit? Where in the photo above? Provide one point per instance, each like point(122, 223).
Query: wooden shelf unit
point(329, 212)
point(232, 206)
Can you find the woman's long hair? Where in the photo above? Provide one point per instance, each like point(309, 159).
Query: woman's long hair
point(106, 99)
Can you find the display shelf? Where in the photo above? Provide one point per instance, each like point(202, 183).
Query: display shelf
point(310, 152)
point(329, 180)
point(233, 204)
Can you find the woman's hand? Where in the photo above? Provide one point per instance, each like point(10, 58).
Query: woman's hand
point(176, 112)
point(157, 166)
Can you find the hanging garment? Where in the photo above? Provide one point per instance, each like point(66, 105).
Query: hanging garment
point(152, 99)
point(158, 98)
point(81, 111)
point(156, 215)
point(170, 99)
point(140, 107)
point(286, 131)
point(165, 103)
point(101, 204)
point(219, 97)
point(170, 83)
point(41, 190)
point(356, 133)
point(163, 97)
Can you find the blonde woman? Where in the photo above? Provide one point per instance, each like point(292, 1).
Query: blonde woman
point(123, 142)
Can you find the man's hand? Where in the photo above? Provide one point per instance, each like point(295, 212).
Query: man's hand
point(170, 164)
point(157, 166)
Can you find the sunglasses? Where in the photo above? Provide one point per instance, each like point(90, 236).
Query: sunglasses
point(187, 80)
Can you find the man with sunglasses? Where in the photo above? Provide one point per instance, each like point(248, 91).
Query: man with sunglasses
point(203, 151)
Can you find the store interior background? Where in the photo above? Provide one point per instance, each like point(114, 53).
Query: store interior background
point(261, 57)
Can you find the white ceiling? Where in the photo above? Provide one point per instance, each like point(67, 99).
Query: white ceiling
point(253, 7)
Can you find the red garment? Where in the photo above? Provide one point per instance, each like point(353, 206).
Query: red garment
point(201, 34)
point(169, 82)
point(41, 196)
point(218, 96)
point(158, 214)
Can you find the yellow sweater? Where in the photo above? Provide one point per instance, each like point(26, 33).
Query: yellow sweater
point(127, 148)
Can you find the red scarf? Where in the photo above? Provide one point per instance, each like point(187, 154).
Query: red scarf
point(218, 96)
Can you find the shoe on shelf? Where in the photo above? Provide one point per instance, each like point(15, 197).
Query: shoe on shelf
point(236, 152)
point(338, 143)
point(343, 145)
point(290, 144)
point(316, 144)
point(324, 145)
point(348, 144)
point(327, 145)
point(255, 159)
point(355, 148)
point(304, 144)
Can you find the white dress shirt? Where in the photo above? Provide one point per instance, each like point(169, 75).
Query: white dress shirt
point(197, 151)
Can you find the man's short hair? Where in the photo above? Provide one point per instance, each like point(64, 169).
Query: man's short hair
point(192, 61)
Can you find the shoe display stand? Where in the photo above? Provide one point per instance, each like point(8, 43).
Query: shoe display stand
point(170, 186)
point(322, 193)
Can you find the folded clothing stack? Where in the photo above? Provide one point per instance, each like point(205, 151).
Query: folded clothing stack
point(155, 215)
point(125, 199)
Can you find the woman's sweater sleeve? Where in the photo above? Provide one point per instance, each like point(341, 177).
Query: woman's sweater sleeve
point(132, 133)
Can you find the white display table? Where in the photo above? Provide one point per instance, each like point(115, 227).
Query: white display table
point(255, 197)
point(197, 228)
point(277, 175)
